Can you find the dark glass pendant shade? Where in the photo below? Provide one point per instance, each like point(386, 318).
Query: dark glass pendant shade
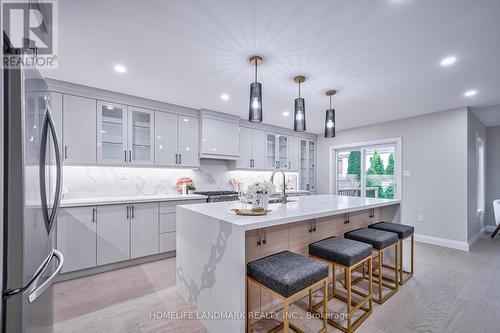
point(255, 107)
point(299, 123)
point(330, 123)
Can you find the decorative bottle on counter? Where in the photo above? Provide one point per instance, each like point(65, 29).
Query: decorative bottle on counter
point(184, 189)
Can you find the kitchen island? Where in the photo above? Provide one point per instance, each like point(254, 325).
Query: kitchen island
point(214, 245)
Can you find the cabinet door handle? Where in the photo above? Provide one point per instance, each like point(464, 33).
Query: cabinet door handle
point(250, 163)
point(310, 229)
point(264, 241)
point(65, 152)
point(128, 214)
point(93, 214)
point(130, 156)
point(176, 158)
point(259, 241)
point(125, 155)
point(180, 158)
point(289, 165)
point(133, 211)
point(314, 225)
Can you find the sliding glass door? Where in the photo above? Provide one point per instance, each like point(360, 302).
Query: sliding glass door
point(367, 170)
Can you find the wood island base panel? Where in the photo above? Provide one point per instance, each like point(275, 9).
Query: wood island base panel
point(214, 245)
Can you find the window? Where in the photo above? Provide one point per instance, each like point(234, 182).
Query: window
point(480, 177)
point(369, 169)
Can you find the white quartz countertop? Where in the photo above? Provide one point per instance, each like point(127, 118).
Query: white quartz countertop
point(298, 209)
point(129, 199)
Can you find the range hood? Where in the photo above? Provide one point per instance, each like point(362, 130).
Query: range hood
point(219, 136)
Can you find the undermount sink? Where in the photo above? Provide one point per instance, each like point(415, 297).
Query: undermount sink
point(278, 200)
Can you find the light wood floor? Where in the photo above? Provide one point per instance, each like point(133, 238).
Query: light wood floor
point(451, 291)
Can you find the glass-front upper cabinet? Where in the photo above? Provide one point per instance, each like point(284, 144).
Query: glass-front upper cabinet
point(307, 168)
point(311, 164)
point(111, 133)
point(276, 151)
point(282, 152)
point(140, 136)
point(271, 151)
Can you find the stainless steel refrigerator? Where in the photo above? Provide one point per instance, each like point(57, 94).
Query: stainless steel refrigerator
point(32, 193)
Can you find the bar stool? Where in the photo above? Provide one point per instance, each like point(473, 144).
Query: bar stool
point(404, 232)
point(286, 275)
point(350, 255)
point(381, 241)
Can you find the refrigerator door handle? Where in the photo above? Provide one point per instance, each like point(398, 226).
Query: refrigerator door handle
point(47, 283)
point(48, 124)
point(40, 289)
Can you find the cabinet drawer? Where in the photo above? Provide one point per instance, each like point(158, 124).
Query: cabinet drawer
point(167, 242)
point(167, 222)
point(168, 207)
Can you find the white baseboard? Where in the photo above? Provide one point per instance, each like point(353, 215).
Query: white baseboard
point(445, 242)
point(489, 228)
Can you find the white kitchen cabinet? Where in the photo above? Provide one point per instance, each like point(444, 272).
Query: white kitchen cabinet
point(143, 229)
point(176, 140)
point(276, 151)
point(140, 134)
point(166, 139)
point(112, 145)
point(293, 153)
point(125, 135)
point(76, 237)
point(167, 242)
point(252, 149)
point(79, 118)
point(245, 159)
point(113, 234)
point(259, 149)
point(220, 138)
point(307, 172)
point(188, 141)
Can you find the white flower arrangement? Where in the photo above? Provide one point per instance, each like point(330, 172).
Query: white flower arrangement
point(261, 188)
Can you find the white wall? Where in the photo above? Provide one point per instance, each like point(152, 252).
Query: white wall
point(492, 171)
point(435, 151)
point(474, 222)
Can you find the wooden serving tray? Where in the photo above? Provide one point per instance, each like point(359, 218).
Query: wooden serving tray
point(251, 212)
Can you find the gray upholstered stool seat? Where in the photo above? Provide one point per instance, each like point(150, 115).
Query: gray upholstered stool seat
point(379, 239)
point(342, 251)
point(286, 272)
point(402, 230)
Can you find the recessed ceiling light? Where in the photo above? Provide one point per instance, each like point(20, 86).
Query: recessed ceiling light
point(470, 93)
point(224, 97)
point(286, 114)
point(448, 61)
point(120, 68)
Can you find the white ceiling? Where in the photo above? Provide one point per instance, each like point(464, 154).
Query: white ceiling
point(381, 55)
point(489, 116)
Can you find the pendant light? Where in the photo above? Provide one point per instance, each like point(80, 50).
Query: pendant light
point(330, 117)
point(255, 107)
point(299, 121)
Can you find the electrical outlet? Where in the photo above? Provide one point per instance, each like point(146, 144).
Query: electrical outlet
point(406, 173)
point(420, 218)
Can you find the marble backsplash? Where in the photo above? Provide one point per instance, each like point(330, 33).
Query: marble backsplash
point(98, 181)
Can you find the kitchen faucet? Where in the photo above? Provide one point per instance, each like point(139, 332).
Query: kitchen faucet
point(283, 195)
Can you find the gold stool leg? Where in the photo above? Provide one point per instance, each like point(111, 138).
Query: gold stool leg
point(370, 282)
point(325, 305)
point(347, 273)
point(401, 262)
point(249, 304)
point(380, 260)
point(286, 319)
